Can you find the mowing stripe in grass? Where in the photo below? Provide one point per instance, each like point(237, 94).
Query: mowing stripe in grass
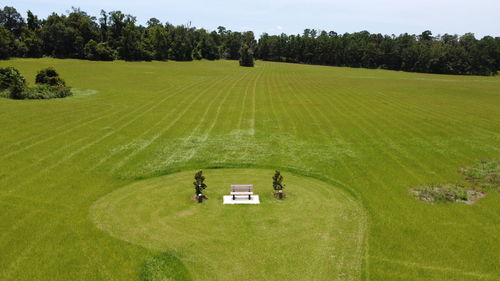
point(57, 115)
point(151, 128)
point(207, 132)
point(390, 155)
point(83, 148)
point(374, 176)
point(173, 122)
point(45, 128)
point(337, 134)
point(274, 81)
point(60, 149)
point(437, 114)
point(195, 130)
point(438, 268)
point(15, 264)
point(243, 103)
point(387, 154)
point(316, 122)
point(71, 128)
point(413, 111)
point(218, 111)
point(387, 141)
point(275, 119)
point(193, 102)
point(367, 135)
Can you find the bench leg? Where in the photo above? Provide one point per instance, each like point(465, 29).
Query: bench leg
point(234, 197)
point(249, 198)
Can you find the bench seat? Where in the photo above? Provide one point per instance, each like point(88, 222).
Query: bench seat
point(240, 190)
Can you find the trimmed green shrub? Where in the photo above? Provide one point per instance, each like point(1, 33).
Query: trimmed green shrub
point(10, 76)
point(49, 76)
point(46, 92)
point(12, 83)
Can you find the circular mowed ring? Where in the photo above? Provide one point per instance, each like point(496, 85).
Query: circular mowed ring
point(316, 233)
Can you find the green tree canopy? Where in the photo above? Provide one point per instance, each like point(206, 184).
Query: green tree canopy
point(115, 35)
point(246, 56)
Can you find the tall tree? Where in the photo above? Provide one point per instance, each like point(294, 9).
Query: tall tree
point(278, 184)
point(33, 22)
point(131, 46)
point(12, 20)
point(6, 39)
point(182, 44)
point(199, 186)
point(157, 36)
point(246, 56)
point(247, 49)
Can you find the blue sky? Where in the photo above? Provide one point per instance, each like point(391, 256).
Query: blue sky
point(480, 17)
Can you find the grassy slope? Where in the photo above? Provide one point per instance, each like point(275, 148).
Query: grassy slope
point(370, 132)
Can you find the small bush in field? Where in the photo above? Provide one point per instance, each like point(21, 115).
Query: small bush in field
point(46, 92)
point(49, 76)
point(12, 83)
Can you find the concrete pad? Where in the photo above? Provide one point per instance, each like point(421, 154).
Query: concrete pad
point(243, 199)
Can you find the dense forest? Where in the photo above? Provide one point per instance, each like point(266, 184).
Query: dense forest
point(114, 35)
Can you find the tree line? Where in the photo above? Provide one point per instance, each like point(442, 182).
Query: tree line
point(115, 35)
point(445, 54)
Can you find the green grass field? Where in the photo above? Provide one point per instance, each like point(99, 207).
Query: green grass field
point(97, 186)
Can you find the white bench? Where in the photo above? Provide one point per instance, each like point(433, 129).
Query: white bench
point(242, 189)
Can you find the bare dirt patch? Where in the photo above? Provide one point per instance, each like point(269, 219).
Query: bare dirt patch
point(446, 193)
point(485, 174)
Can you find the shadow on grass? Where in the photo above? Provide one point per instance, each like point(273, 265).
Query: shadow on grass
point(165, 267)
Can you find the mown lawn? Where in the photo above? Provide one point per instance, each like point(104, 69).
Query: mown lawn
point(359, 137)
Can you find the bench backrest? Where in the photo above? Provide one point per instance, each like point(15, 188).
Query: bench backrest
point(242, 187)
